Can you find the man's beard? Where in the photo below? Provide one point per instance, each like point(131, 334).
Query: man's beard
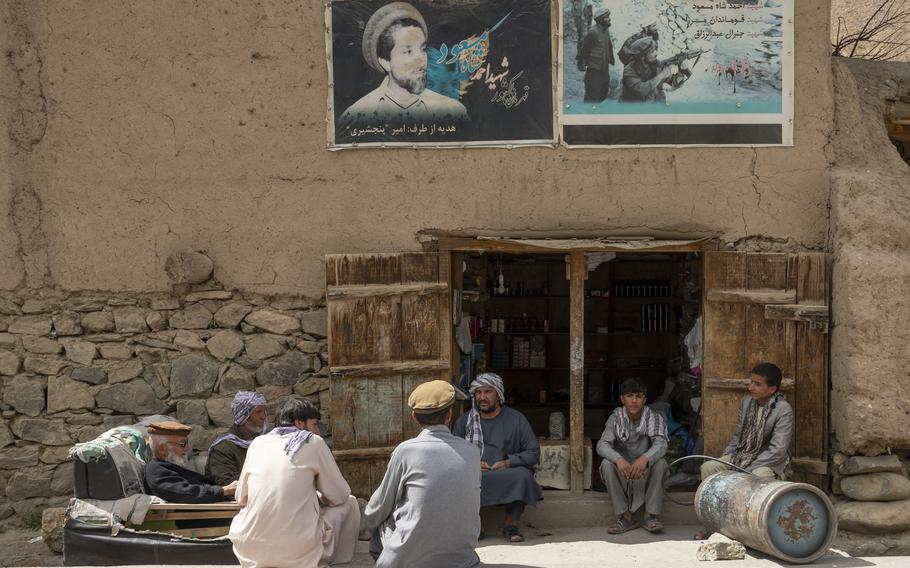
point(488, 406)
point(178, 459)
point(415, 86)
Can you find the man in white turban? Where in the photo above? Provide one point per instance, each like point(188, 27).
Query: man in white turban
point(509, 452)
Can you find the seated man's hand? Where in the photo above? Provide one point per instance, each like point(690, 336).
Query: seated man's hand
point(502, 464)
point(639, 467)
point(624, 468)
point(230, 488)
point(484, 466)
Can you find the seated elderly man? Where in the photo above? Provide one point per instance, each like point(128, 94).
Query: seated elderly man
point(168, 474)
point(228, 451)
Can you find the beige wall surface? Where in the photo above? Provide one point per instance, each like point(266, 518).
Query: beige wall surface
point(175, 125)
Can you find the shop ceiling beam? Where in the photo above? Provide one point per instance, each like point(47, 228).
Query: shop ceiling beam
point(389, 368)
point(751, 296)
point(374, 290)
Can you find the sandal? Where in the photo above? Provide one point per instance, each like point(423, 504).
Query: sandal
point(512, 534)
point(622, 525)
point(652, 524)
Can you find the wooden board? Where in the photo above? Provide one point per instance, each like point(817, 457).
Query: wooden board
point(739, 334)
point(389, 330)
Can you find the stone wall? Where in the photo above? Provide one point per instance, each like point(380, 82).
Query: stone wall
point(73, 366)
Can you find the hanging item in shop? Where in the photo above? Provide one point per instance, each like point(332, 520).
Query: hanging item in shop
point(439, 73)
point(670, 73)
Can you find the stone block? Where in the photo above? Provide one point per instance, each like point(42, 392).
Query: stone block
point(52, 521)
point(219, 410)
point(284, 371)
point(194, 316)
point(31, 325)
point(44, 365)
point(156, 321)
point(273, 322)
point(158, 376)
point(861, 464)
point(873, 518)
point(32, 306)
point(130, 320)
point(201, 438)
point(165, 303)
point(308, 346)
point(719, 547)
point(47, 432)
point(62, 480)
point(55, 455)
point(25, 484)
point(18, 457)
point(885, 486)
point(25, 394)
point(115, 420)
point(261, 347)
point(82, 352)
point(311, 386)
point(98, 322)
point(236, 378)
point(67, 323)
point(225, 345)
point(193, 375)
point(6, 437)
point(115, 351)
point(231, 314)
point(9, 362)
point(189, 267)
point(90, 375)
point(134, 397)
point(188, 339)
point(43, 345)
point(864, 545)
point(208, 295)
point(84, 419)
point(192, 412)
point(10, 308)
point(122, 371)
point(315, 322)
point(63, 393)
point(85, 304)
point(8, 341)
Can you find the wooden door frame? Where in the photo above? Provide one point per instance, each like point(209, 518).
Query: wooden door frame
point(576, 273)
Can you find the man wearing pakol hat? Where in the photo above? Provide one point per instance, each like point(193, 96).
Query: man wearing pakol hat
point(644, 78)
point(426, 511)
point(595, 56)
point(649, 29)
point(394, 44)
point(228, 451)
point(168, 474)
point(297, 508)
point(509, 452)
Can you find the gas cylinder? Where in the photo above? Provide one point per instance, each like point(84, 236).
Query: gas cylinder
point(791, 521)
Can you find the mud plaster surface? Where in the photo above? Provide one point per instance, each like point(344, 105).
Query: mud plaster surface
point(870, 205)
point(174, 125)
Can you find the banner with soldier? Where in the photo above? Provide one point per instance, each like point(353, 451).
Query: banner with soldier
point(440, 73)
point(676, 72)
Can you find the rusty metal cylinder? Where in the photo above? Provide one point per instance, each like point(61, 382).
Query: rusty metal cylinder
point(791, 521)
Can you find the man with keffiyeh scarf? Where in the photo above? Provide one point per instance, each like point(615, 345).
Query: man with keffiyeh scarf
point(228, 451)
point(509, 451)
point(633, 445)
point(297, 508)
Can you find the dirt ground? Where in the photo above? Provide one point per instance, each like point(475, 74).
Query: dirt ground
point(16, 549)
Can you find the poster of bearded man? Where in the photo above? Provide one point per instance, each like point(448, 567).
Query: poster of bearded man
point(440, 73)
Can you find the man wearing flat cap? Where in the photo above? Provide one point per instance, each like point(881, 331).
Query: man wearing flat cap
point(595, 56)
point(644, 79)
point(168, 474)
point(395, 43)
point(426, 511)
point(228, 451)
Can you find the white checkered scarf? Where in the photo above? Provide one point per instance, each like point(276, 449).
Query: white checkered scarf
point(473, 432)
point(650, 424)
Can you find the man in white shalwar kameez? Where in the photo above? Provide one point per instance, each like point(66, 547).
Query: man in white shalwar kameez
point(284, 522)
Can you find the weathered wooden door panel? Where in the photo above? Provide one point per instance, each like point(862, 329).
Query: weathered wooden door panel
point(388, 332)
point(755, 310)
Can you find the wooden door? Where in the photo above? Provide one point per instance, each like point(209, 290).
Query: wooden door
point(768, 307)
point(388, 331)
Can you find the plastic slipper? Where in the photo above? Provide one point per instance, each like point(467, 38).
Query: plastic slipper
point(653, 525)
point(622, 525)
point(512, 534)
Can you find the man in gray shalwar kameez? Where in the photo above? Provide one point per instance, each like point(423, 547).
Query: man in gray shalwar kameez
point(509, 452)
point(633, 445)
point(426, 511)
